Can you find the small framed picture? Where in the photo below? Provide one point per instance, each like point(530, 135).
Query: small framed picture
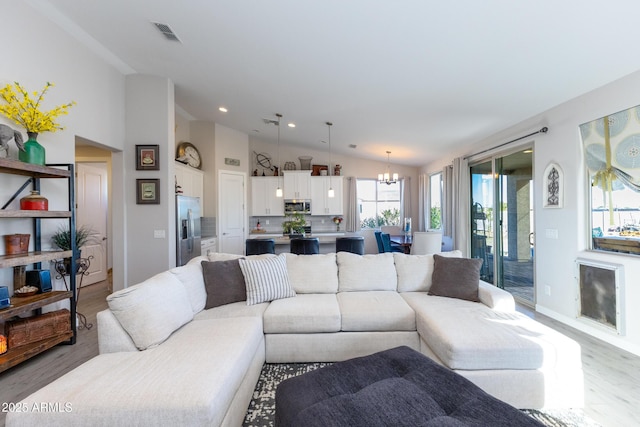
point(148, 191)
point(147, 158)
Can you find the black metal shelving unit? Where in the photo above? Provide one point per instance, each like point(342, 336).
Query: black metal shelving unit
point(35, 174)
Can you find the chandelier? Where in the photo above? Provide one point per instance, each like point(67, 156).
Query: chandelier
point(386, 178)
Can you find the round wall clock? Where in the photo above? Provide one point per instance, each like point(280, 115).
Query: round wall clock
point(187, 153)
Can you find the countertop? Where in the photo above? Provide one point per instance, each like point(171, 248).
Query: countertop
point(328, 237)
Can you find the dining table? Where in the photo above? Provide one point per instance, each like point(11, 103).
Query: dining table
point(402, 240)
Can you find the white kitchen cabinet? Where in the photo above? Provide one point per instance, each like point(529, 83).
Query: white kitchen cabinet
point(321, 203)
point(191, 180)
point(297, 184)
point(263, 197)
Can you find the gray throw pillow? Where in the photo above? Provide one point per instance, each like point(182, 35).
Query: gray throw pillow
point(456, 277)
point(224, 282)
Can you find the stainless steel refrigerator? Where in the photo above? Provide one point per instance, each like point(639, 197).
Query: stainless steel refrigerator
point(188, 228)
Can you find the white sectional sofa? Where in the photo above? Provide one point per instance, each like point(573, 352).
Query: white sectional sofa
point(165, 360)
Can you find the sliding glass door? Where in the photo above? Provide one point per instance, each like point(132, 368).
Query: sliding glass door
point(502, 221)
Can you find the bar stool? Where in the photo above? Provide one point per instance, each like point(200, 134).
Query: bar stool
point(305, 246)
point(353, 244)
point(260, 246)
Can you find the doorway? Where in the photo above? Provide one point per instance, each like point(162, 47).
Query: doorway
point(92, 210)
point(502, 226)
point(231, 212)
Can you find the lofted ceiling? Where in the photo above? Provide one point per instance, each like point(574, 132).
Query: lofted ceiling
point(416, 77)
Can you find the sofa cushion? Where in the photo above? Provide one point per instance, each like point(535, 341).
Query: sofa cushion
point(366, 272)
point(375, 311)
point(306, 313)
point(469, 336)
point(190, 275)
point(456, 277)
point(313, 274)
point(266, 279)
point(224, 282)
point(414, 271)
point(190, 380)
point(220, 256)
point(150, 311)
point(236, 309)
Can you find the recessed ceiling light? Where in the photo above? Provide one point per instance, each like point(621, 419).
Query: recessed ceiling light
point(223, 109)
point(291, 125)
point(528, 151)
point(352, 145)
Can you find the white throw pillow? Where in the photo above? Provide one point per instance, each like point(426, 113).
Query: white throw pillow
point(313, 274)
point(266, 279)
point(366, 272)
point(414, 271)
point(150, 311)
point(190, 275)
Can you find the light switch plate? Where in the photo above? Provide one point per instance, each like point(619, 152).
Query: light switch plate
point(159, 234)
point(551, 233)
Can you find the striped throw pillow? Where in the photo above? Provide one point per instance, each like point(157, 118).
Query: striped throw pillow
point(266, 279)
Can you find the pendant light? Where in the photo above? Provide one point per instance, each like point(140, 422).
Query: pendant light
point(331, 193)
point(279, 189)
point(386, 178)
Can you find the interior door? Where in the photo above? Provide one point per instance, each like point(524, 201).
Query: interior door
point(92, 211)
point(231, 212)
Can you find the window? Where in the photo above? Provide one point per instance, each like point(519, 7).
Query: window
point(435, 201)
point(379, 204)
point(611, 145)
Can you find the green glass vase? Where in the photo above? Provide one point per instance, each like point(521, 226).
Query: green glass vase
point(33, 153)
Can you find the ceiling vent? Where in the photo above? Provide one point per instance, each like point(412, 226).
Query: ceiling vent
point(167, 32)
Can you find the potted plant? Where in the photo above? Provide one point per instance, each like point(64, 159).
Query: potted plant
point(294, 224)
point(25, 108)
point(62, 239)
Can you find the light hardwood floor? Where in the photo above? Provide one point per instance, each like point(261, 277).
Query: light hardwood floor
point(612, 376)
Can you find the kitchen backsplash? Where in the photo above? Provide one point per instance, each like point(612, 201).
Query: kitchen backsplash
point(208, 226)
point(275, 224)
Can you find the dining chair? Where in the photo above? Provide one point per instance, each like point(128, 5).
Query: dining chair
point(370, 241)
point(386, 244)
point(392, 230)
point(378, 235)
point(305, 246)
point(260, 246)
point(447, 244)
point(426, 242)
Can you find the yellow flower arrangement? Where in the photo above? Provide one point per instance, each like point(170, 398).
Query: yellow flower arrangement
point(24, 108)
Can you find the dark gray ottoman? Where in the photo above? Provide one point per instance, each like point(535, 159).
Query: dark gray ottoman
point(397, 387)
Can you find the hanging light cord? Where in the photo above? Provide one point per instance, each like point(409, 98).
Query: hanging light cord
point(329, 124)
point(279, 116)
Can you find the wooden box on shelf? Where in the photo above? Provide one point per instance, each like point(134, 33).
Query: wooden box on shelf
point(32, 329)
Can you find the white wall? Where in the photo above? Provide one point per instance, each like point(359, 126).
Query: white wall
point(150, 120)
point(39, 52)
point(555, 259)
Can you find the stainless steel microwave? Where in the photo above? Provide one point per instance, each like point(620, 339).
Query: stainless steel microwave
point(297, 206)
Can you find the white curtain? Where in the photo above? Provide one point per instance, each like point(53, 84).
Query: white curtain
point(423, 206)
point(405, 199)
point(353, 213)
point(460, 205)
point(447, 201)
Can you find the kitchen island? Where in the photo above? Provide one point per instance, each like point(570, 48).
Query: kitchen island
point(327, 240)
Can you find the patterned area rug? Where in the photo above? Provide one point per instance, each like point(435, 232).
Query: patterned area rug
point(262, 409)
